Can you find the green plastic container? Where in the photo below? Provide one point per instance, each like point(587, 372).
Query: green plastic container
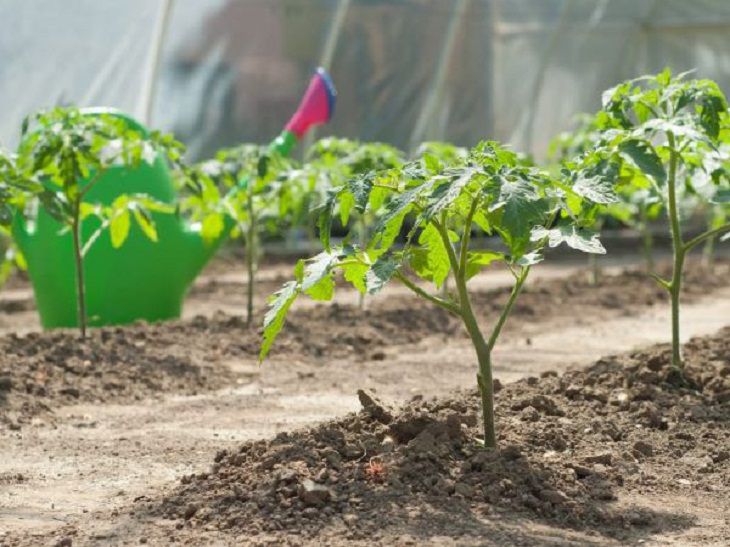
point(141, 280)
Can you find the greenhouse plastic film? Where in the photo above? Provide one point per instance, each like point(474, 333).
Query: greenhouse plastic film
point(232, 71)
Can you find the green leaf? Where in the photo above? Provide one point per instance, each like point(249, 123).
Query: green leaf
point(360, 188)
point(577, 238)
point(400, 205)
point(529, 259)
point(437, 258)
point(520, 208)
point(447, 192)
point(380, 273)
point(119, 228)
point(347, 202)
point(476, 260)
point(276, 314)
point(324, 223)
point(145, 222)
point(644, 157)
point(212, 227)
point(317, 268)
point(597, 184)
point(355, 273)
point(324, 289)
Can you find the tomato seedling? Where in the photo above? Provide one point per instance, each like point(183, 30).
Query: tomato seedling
point(670, 129)
point(69, 151)
point(249, 185)
point(491, 189)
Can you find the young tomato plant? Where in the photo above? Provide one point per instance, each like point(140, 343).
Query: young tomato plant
point(527, 209)
point(670, 129)
point(247, 185)
point(69, 151)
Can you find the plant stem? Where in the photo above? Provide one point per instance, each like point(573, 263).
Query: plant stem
point(708, 253)
point(594, 272)
point(516, 289)
point(448, 306)
point(705, 236)
point(485, 381)
point(362, 242)
point(675, 285)
point(79, 261)
point(484, 358)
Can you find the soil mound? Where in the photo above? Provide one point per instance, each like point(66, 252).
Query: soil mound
point(570, 445)
point(40, 371)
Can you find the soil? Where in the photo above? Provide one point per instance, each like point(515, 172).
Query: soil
point(41, 371)
point(588, 452)
point(79, 478)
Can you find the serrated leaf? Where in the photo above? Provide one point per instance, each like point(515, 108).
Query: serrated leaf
point(597, 184)
point(347, 202)
point(437, 258)
point(355, 272)
point(380, 273)
point(324, 222)
point(400, 205)
point(529, 259)
point(576, 238)
point(319, 267)
point(520, 208)
point(324, 289)
point(644, 157)
point(447, 192)
point(276, 314)
point(360, 188)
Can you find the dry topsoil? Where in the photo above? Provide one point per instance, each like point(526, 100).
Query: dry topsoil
point(572, 449)
point(39, 371)
point(42, 371)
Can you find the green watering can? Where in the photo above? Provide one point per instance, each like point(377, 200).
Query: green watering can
point(142, 280)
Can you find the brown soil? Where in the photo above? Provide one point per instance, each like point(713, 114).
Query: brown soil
point(42, 371)
point(587, 451)
point(39, 371)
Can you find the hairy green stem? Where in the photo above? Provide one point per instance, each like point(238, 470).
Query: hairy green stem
point(594, 272)
point(516, 289)
point(79, 262)
point(675, 286)
point(706, 236)
point(362, 241)
point(445, 304)
point(485, 380)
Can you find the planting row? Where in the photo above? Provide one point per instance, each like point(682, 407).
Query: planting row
point(658, 143)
